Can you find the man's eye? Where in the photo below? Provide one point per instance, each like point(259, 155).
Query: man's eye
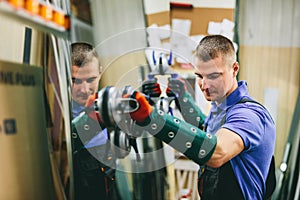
point(90, 80)
point(214, 76)
point(77, 81)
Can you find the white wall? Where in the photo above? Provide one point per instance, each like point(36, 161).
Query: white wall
point(119, 32)
point(156, 6)
point(114, 17)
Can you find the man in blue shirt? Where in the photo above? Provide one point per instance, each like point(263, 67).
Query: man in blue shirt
point(245, 131)
point(235, 150)
point(93, 160)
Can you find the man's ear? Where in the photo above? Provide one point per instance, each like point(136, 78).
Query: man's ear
point(100, 70)
point(235, 68)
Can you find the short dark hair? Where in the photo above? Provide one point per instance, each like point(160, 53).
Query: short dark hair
point(213, 46)
point(83, 52)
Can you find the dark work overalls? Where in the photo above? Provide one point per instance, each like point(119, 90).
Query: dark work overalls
point(221, 183)
point(93, 179)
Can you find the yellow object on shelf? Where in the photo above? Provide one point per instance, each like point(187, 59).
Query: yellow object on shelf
point(46, 11)
point(59, 17)
point(32, 6)
point(17, 3)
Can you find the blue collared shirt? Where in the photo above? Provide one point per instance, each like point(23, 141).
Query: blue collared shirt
point(76, 109)
point(100, 138)
point(257, 130)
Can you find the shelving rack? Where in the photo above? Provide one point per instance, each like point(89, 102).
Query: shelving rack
point(59, 32)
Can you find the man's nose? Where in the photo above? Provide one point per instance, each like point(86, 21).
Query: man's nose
point(203, 83)
point(84, 87)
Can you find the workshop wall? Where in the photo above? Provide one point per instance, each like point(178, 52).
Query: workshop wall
point(117, 34)
point(269, 58)
point(200, 13)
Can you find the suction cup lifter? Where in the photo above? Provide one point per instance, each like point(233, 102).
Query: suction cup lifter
point(113, 106)
point(110, 104)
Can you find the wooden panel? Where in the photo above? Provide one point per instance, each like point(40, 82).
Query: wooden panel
point(201, 16)
point(160, 18)
point(273, 67)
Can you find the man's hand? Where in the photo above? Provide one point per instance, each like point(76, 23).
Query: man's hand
point(176, 87)
point(144, 109)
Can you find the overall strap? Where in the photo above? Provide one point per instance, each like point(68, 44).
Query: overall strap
point(245, 100)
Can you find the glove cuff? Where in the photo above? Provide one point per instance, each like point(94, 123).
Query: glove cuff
point(141, 115)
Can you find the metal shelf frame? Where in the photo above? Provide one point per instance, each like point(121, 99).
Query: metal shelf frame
point(35, 21)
